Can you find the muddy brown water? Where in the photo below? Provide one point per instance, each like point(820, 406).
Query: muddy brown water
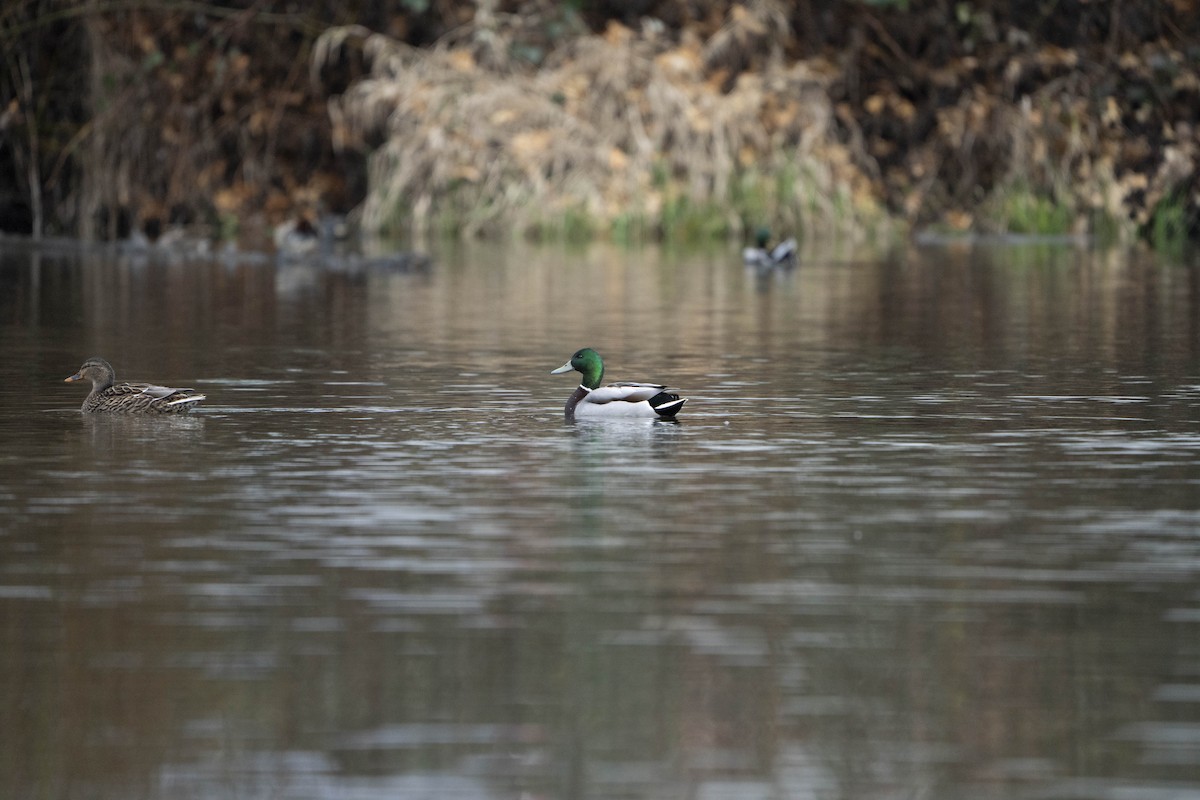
point(929, 526)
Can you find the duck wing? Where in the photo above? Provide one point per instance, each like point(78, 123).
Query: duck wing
point(151, 393)
point(624, 392)
point(148, 389)
point(784, 252)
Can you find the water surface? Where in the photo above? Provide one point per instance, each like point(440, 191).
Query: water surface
point(929, 526)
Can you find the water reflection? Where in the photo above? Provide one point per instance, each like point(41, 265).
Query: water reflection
point(926, 527)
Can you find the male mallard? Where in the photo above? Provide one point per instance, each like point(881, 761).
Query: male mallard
point(615, 399)
point(296, 238)
point(781, 255)
point(130, 398)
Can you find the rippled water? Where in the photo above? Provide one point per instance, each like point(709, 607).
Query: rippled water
point(929, 527)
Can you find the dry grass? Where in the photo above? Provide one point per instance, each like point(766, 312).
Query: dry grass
point(612, 127)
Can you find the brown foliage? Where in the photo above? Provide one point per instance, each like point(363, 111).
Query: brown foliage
point(174, 112)
point(213, 114)
point(941, 108)
point(198, 118)
point(1094, 106)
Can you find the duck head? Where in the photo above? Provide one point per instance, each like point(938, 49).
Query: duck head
point(588, 363)
point(96, 370)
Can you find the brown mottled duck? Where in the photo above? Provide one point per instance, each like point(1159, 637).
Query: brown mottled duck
point(130, 398)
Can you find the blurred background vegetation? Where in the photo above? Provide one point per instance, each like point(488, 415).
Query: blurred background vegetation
point(632, 119)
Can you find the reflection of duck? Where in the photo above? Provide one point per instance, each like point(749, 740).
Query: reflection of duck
point(130, 398)
point(616, 399)
point(781, 255)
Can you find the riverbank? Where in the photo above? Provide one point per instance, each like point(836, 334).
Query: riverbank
point(855, 121)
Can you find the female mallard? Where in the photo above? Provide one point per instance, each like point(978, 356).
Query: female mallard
point(615, 399)
point(130, 398)
point(763, 257)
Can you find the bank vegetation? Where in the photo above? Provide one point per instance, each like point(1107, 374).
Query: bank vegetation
point(674, 119)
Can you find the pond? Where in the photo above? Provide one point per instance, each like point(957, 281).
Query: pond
point(928, 526)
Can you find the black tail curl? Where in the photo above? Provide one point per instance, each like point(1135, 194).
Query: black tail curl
point(666, 404)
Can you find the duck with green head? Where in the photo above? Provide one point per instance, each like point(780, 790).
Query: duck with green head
point(130, 398)
point(616, 399)
point(764, 257)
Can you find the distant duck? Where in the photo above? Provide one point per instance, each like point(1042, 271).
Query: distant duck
point(591, 400)
point(763, 257)
point(130, 398)
point(296, 238)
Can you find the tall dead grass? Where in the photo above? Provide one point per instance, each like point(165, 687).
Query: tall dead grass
point(617, 127)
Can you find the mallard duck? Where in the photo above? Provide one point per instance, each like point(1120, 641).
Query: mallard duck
point(296, 238)
point(130, 398)
point(616, 399)
point(761, 256)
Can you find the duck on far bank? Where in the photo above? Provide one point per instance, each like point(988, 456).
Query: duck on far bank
point(130, 398)
point(296, 237)
point(591, 400)
point(762, 256)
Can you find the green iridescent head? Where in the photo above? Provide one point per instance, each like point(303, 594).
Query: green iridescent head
point(588, 363)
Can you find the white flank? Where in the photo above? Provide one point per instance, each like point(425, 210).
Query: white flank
point(193, 399)
point(622, 392)
point(754, 257)
point(586, 410)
